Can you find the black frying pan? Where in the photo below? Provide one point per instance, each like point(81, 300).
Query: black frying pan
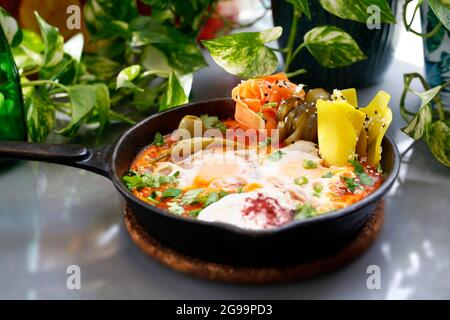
point(294, 242)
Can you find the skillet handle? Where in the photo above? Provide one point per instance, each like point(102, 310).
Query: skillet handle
point(95, 160)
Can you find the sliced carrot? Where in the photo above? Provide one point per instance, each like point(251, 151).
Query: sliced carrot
point(270, 115)
point(248, 118)
point(253, 104)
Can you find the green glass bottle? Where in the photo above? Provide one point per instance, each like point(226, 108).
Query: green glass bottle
point(12, 112)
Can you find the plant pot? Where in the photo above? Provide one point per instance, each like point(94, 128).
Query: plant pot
point(377, 45)
point(436, 53)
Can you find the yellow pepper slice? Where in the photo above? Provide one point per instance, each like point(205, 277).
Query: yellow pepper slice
point(379, 118)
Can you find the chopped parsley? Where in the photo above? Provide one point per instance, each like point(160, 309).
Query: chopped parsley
point(171, 193)
point(158, 140)
point(212, 122)
point(276, 156)
point(135, 180)
point(212, 197)
point(351, 184)
point(194, 213)
point(175, 208)
point(361, 173)
point(300, 181)
point(329, 174)
point(191, 196)
point(222, 194)
point(305, 211)
point(309, 164)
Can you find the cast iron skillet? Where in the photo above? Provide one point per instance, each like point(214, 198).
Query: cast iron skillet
point(295, 242)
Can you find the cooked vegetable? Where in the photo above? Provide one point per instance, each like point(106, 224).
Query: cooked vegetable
point(256, 97)
point(341, 125)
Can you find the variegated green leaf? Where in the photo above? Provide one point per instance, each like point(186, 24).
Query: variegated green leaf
point(245, 54)
point(359, 10)
point(332, 47)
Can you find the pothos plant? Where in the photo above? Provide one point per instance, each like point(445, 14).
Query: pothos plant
point(141, 64)
point(431, 122)
point(145, 63)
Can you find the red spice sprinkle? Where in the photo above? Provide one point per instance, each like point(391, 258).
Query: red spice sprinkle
point(266, 210)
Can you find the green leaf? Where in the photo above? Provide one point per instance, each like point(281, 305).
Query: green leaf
point(74, 46)
point(441, 9)
point(212, 197)
point(438, 140)
point(175, 94)
point(175, 208)
point(40, 118)
point(82, 100)
point(155, 62)
point(191, 196)
point(11, 28)
point(182, 52)
point(158, 140)
point(64, 72)
point(100, 14)
point(305, 211)
point(357, 10)
point(302, 6)
point(351, 184)
point(361, 173)
point(419, 124)
point(212, 122)
point(245, 54)
point(126, 76)
point(171, 193)
point(332, 47)
point(100, 67)
point(102, 105)
point(53, 42)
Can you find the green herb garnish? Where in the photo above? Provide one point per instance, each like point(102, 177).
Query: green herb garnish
point(309, 164)
point(158, 140)
point(171, 193)
point(304, 211)
point(361, 173)
point(276, 156)
point(222, 194)
point(211, 198)
point(212, 122)
point(135, 180)
point(351, 184)
point(329, 174)
point(300, 181)
point(175, 208)
point(194, 213)
point(191, 196)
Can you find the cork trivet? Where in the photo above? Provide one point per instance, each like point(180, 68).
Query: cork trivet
point(255, 275)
